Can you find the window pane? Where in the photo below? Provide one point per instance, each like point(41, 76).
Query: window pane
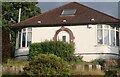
point(64, 38)
point(117, 38)
point(29, 29)
point(99, 36)
point(69, 12)
point(19, 39)
point(24, 29)
point(106, 26)
point(23, 39)
point(112, 37)
point(112, 28)
point(29, 38)
point(99, 26)
point(106, 37)
point(117, 29)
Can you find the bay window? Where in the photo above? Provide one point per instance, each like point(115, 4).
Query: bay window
point(24, 38)
point(107, 35)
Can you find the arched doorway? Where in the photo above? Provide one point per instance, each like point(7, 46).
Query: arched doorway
point(64, 34)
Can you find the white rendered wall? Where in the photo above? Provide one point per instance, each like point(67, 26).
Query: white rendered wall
point(85, 40)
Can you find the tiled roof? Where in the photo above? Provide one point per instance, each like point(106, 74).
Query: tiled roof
point(83, 15)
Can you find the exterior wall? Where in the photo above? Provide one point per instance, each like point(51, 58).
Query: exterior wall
point(22, 53)
point(85, 41)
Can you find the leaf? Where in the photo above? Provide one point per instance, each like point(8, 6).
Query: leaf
point(10, 11)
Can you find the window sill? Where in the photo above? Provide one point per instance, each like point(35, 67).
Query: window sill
point(22, 48)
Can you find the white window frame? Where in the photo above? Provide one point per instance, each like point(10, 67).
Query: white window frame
point(21, 38)
point(109, 35)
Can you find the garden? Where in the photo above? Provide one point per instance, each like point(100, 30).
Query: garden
point(51, 58)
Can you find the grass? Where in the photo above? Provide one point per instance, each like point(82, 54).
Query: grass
point(13, 62)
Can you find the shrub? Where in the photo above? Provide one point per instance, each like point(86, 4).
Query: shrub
point(47, 64)
point(75, 59)
point(59, 48)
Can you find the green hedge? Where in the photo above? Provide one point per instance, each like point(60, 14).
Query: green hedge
point(58, 48)
point(47, 64)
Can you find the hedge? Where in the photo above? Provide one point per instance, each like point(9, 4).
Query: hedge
point(59, 48)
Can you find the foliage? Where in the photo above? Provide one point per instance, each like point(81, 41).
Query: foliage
point(111, 73)
point(59, 48)
point(99, 61)
point(76, 59)
point(10, 11)
point(13, 67)
point(47, 64)
point(14, 62)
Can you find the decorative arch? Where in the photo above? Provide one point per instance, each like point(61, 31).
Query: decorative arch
point(68, 31)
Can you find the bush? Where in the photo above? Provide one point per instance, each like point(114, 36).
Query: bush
point(47, 64)
point(59, 48)
point(75, 59)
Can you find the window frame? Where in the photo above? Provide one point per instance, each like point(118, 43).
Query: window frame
point(68, 10)
point(109, 29)
point(19, 39)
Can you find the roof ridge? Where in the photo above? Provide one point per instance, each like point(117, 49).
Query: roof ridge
point(38, 16)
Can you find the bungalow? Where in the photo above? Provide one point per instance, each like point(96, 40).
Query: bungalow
point(94, 34)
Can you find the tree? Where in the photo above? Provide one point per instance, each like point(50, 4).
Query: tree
point(10, 11)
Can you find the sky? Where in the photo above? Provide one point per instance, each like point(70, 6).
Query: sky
point(110, 7)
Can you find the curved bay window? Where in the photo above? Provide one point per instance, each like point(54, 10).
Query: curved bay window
point(24, 38)
point(107, 35)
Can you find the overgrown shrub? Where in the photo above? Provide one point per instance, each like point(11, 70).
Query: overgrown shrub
point(75, 59)
point(59, 48)
point(47, 64)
